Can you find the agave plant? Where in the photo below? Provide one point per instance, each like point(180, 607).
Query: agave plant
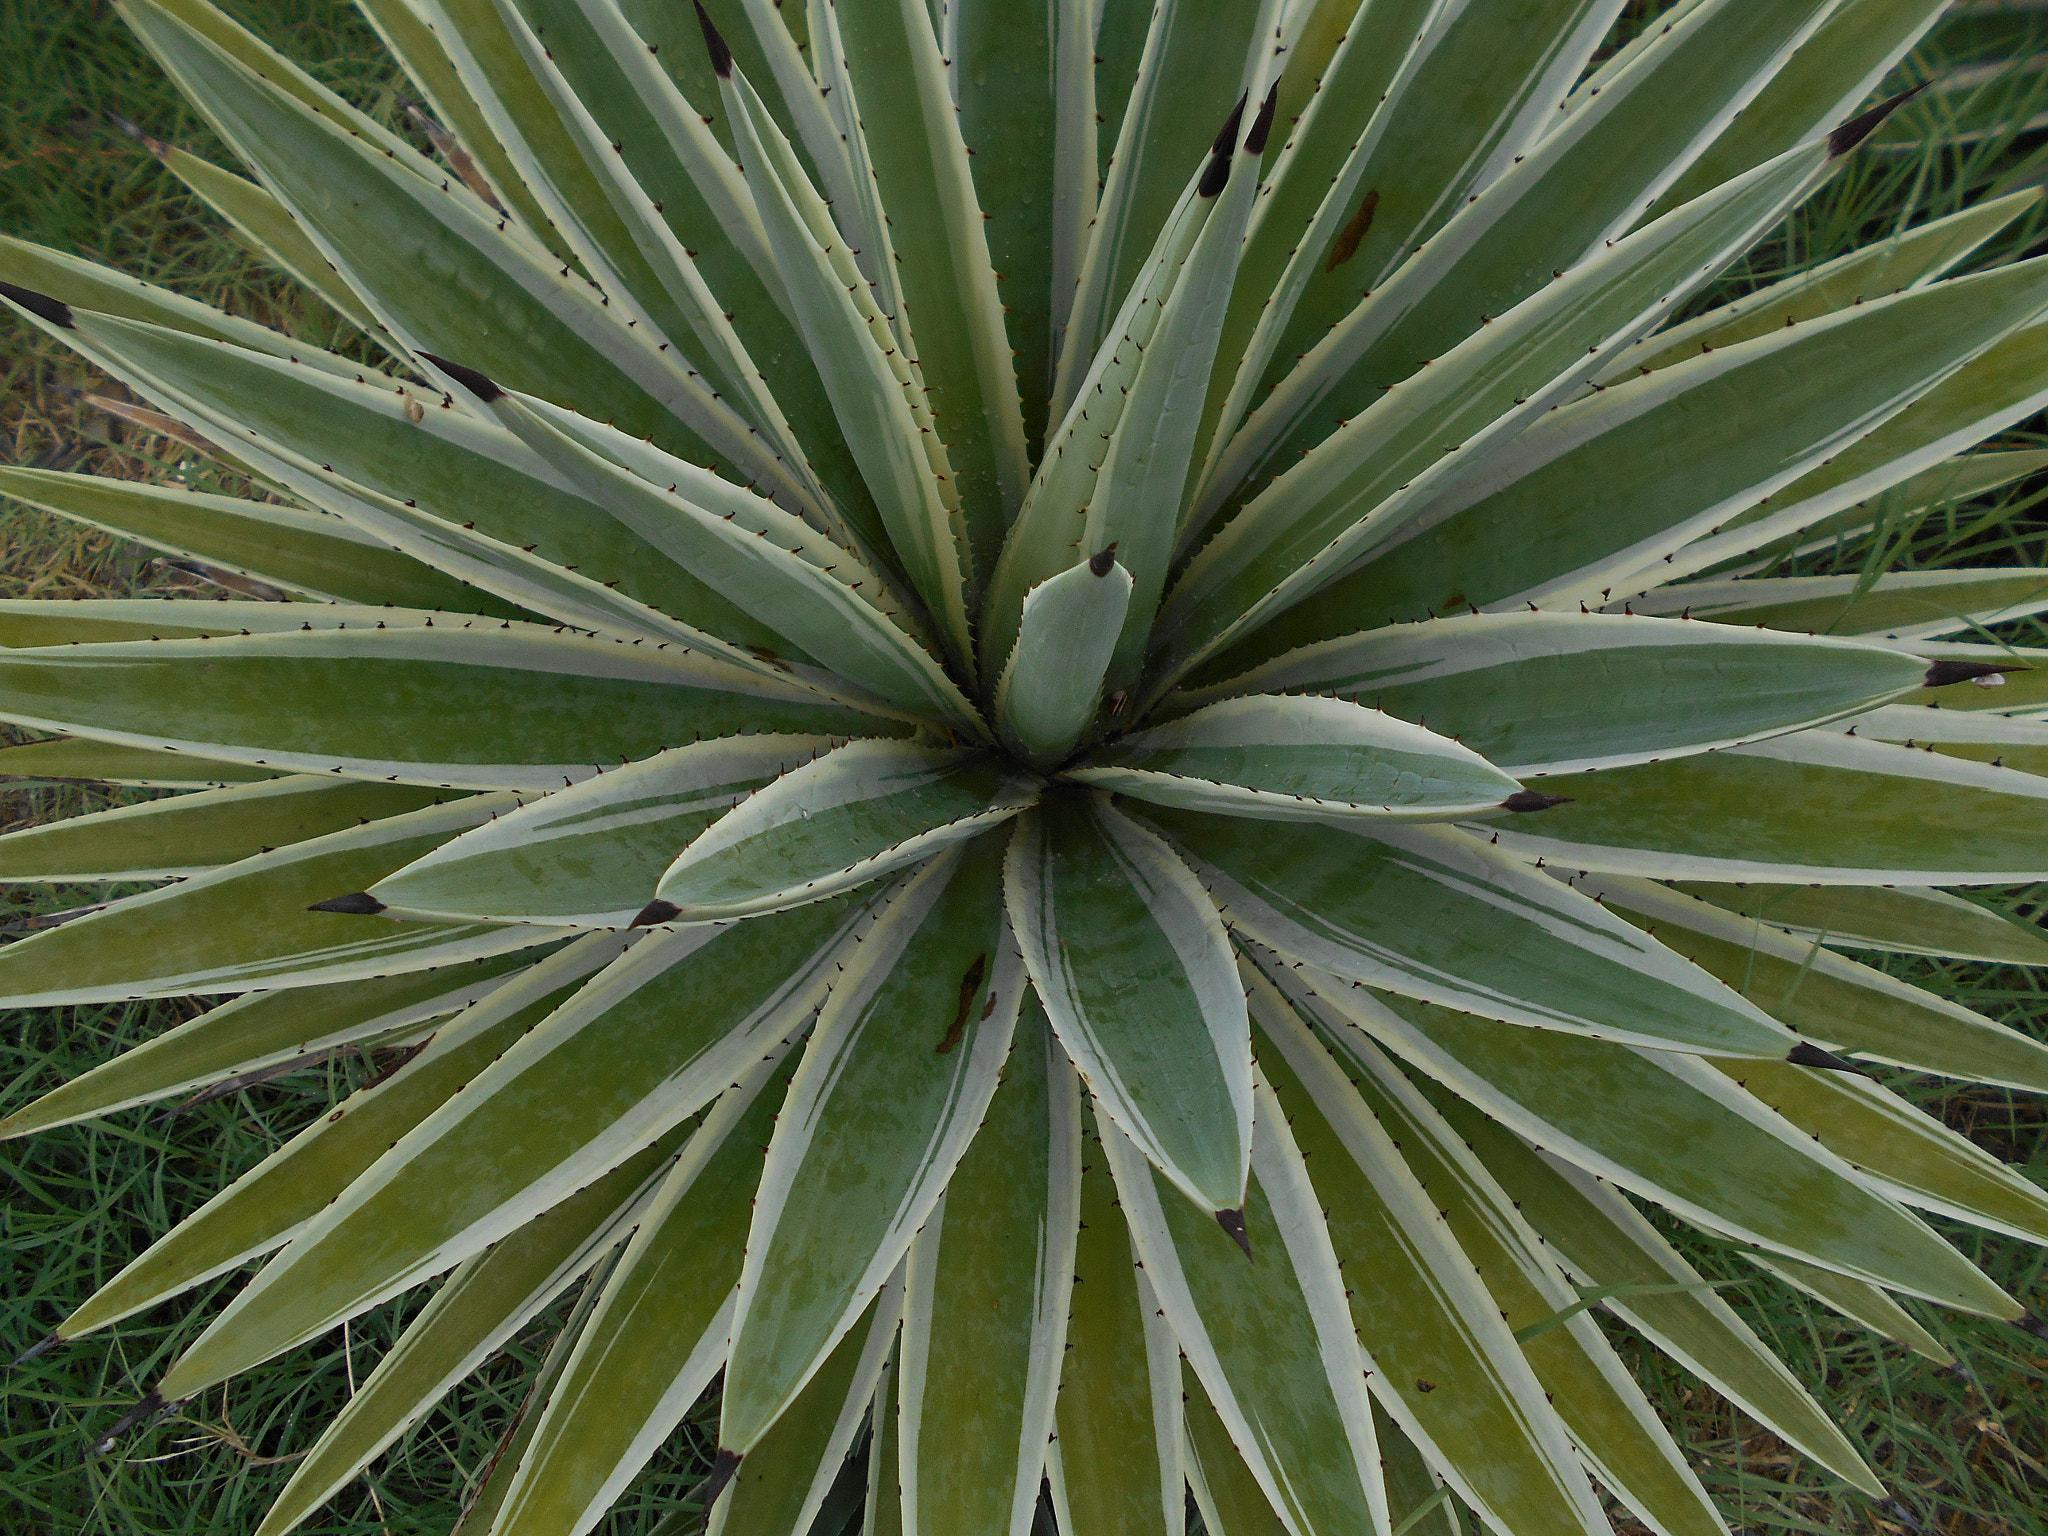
point(1052, 730)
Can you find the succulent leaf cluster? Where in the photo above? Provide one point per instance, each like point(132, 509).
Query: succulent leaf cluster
point(1048, 728)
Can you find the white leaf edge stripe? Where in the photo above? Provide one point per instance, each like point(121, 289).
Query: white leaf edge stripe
point(496, 647)
point(706, 1355)
point(1191, 927)
point(1528, 1251)
point(1339, 723)
point(1052, 1298)
point(1459, 1289)
point(1451, 647)
point(576, 960)
point(1659, 902)
point(654, 789)
point(1820, 748)
point(1349, 1008)
point(778, 1019)
point(860, 972)
point(1473, 869)
point(1276, 1162)
point(1721, 600)
point(849, 776)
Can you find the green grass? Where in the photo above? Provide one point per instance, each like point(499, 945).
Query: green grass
point(1963, 1450)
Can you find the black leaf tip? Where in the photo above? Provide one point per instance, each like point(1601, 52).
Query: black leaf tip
point(1532, 800)
point(723, 1465)
point(468, 378)
point(1226, 141)
point(37, 1350)
point(142, 1413)
point(1864, 124)
point(1804, 1055)
point(41, 305)
point(2031, 1322)
point(1262, 125)
point(1233, 1223)
point(1216, 175)
point(1943, 673)
point(355, 904)
point(656, 911)
point(721, 64)
point(1103, 561)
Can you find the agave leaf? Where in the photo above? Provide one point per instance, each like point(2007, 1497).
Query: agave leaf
point(1360, 483)
point(1542, 693)
point(263, 222)
point(1298, 759)
point(845, 818)
point(1998, 388)
point(1913, 1156)
point(1003, 64)
point(1583, 183)
point(1859, 1302)
point(1902, 507)
point(1141, 481)
point(491, 174)
point(1436, 914)
point(78, 757)
point(1851, 1007)
point(656, 265)
point(1675, 1131)
point(1822, 807)
point(1270, 1340)
point(654, 144)
point(910, 128)
point(882, 1504)
point(83, 284)
point(1137, 977)
point(1418, 110)
point(1066, 635)
point(1043, 541)
point(309, 552)
point(658, 1333)
point(273, 1200)
point(400, 703)
point(865, 373)
point(1449, 1370)
point(990, 1283)
point(1900, 605)
point(248, 924)
point(1898, 921)
point(591, 856)
point(763, 560)
point(1619, 1436)
point(1115, 1463)
point(784, 1480)
point(1826, 78)
point(1589, 494)
point(1196, 52)
point(461, 473)
point(1605, 1242)
point(482, 1164)
point(920, 1019)
point(473, 1315)
point(1909, 259)
point(452, 284)
point(260, 1030)
point(190, 834)
point(31, 624)
point(480, 1509)
point(1230, 1499)
point(207, 21)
